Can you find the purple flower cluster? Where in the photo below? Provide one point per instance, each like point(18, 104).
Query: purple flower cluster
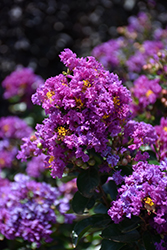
point(27, 209)
point(143, 191)
point(85, 105)
point(22, 82)
point(136, 62)
point(110, 53)
point(12, 129)
point(161, 143)
point(140, 133)
point(144, 93)
point(36, 166)
point(130, 52)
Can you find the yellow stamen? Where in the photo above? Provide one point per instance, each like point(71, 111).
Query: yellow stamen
point(116, 101)
point(62, 131)
point(49, 95)
point(149, 201)
point(165, 128)
point(149, 205)
point(2, 162)
point(105, 116)
point(149, 92)
point(6, 128)
point(79, 102)
point(51, 158)
point(86, 83)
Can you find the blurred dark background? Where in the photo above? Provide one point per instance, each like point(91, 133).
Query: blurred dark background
point(34, 32)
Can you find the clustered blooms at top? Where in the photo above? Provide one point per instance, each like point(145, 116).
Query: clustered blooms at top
point(12, 130)
point(161, 143)
point(27, 209)
point(22, 83)
point(85, 106)
point(141, 39)
point(145, 92)
point(143, 192)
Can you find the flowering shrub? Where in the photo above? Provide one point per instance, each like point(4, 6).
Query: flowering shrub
point(27, 209)
point(103, 144)
point(21, 83)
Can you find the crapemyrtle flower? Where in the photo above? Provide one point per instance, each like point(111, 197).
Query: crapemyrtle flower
point(144, 190)
point(68, 189)
point(139, 24)
point(22, 83)
point(85, 105)
point(117, 177)
point(136, 62)
point(7, 156)
point(12, 127)
point(110, 53)
point(35, 167)
point(27, 209)
point(161, 143)
point(162, 245)
point(140, 133)
point(144, 92)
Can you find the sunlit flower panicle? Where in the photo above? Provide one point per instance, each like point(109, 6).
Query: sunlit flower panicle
point(161, 142)
point(27, 209)
point(23, 83)
point(144, 190)
point(144, 92)
point(85, 106)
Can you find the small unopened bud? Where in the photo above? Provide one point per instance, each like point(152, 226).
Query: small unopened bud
point(163, 100)
point(124, 162)
point(79, 163)
point(164, 91)
point(91, 162)
point(33, 138)
point(129, 158)
point(145, 67)
point(39, 145)
point(84, 166)
point(159, 54)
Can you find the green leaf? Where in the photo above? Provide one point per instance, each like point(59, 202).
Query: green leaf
point(100, 209)
point(110, 245)
point(111, 189)
point(87, 182)
point(148, 241)
point(79, 203)
point(114, 233)
point(154, 162)
point(81, 227)
point(128, 225)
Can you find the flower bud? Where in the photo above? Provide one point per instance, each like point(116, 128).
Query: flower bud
point(33, 138)
point(124, 162)
point(91, 162)
point(39, 145)
point(79, 163)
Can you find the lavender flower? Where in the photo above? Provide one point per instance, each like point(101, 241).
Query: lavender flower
point(140, 133)
point(27, 209)
point(145, 92)
point(85, 106)
point(22, 82)
point(161, 143)
point(144, 190)
point(36, 166)
point(12, 129)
